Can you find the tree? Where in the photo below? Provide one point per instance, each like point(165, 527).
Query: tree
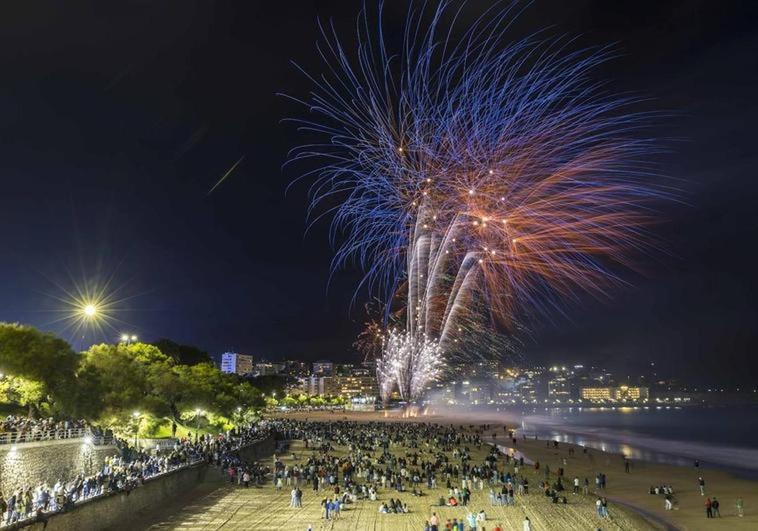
point(140, 377)
point(47, 361)
point(272, 383)
point(183, 354)
point(22, 391)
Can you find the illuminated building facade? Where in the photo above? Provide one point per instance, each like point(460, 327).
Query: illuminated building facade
point(623, 393)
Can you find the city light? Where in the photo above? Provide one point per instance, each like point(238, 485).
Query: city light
point(88, 310)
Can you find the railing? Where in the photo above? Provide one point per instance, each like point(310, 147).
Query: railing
point(19, 437)
point(72, 499)
point(156, 444)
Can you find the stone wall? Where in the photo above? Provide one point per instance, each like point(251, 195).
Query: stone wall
point(118, 511)
point(255, 452)
point(48, 461)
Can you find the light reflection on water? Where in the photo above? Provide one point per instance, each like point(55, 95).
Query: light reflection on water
point(715, 437)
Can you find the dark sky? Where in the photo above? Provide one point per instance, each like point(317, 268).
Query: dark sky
point(116, 118)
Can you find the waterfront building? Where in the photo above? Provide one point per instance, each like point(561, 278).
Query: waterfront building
point(622, 393)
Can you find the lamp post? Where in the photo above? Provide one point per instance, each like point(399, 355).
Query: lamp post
point(127, 338)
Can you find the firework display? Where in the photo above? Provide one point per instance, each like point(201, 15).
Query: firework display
point(489, 175)
point(408, 363)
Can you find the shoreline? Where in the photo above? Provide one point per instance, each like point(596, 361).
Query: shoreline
point(628, 490)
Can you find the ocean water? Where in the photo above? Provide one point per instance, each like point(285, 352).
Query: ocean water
point(720, 436)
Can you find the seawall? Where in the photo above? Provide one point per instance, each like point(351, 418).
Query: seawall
point(29, 464)
point(118, 511)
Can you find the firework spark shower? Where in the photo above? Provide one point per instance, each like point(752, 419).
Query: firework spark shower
point(490, 174)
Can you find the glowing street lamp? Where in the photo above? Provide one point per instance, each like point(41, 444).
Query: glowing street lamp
point(90, 310)
point(127, 338)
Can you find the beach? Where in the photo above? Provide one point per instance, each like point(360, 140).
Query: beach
point(629, 490)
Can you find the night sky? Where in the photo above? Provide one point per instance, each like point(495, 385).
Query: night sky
point(116, 119)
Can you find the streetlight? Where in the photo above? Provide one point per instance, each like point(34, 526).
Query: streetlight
point(90, 310)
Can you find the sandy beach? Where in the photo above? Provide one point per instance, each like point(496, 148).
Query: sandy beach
point(630, 490)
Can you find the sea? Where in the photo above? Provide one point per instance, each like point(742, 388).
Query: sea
point(716, 436)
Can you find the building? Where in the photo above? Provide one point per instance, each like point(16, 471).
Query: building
point(267, 368)
point(297, 369)
point(632, 394)
point(233, 363)
point(345, 386)
point(597, 394)
point(348, 386)
point(229, 362)
point(323, 368)
point(621, 393)
point(309, 385)
point(559, 384)
point(244, 364)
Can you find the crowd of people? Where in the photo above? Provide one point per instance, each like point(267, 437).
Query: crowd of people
point(125, 472)
point(16, 429)
point(379, 458)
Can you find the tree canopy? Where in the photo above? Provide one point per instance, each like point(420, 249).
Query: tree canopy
point(139, 377)
point(42, 366)
point(109, 383)
point(184, 354)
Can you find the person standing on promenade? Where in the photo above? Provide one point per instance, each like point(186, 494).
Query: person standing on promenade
point(527, 525)
point(739, 507)
point(701, 485)
point(708, 508)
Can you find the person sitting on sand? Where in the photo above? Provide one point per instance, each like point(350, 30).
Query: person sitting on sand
point(452, 502)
